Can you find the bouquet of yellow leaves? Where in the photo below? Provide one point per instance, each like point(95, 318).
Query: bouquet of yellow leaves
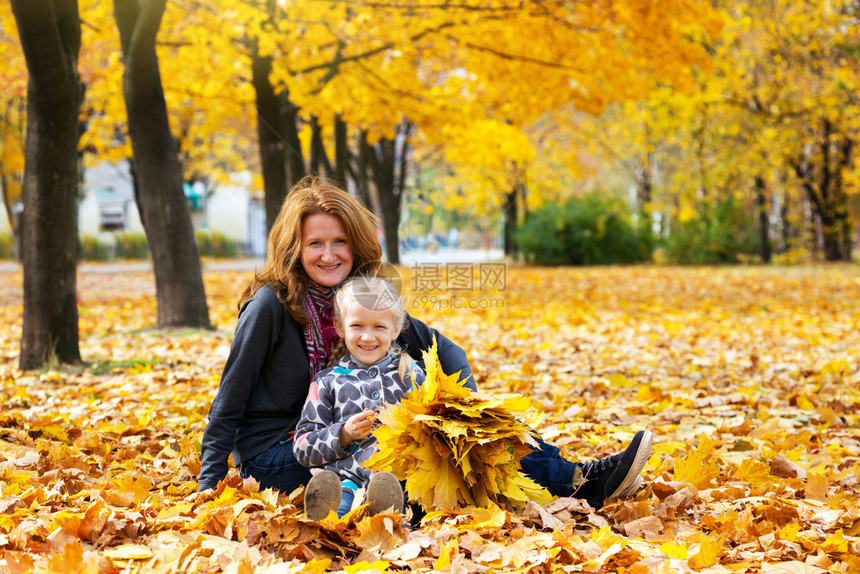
point(455, 447)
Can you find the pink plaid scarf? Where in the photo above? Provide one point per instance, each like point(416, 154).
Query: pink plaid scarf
point(320, 335)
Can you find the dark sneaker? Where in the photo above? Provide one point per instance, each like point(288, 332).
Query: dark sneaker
point(615, 476)
point(384, 493)
point(322, 495)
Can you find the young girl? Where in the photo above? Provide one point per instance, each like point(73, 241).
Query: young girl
point(334, 432)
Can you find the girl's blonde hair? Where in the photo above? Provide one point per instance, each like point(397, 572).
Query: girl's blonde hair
point(376, 294)
point(283, 268)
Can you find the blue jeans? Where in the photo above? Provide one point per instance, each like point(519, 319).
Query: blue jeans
point(549, 469)
point(347, 495)
point(277, 468)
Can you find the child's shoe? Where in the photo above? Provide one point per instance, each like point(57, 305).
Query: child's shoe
point(384, 493)
point(322, 495)
point(613, 476)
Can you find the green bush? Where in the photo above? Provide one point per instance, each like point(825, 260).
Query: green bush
point(223, 246)
point(7, 245)
point(215, 244)
point(131, 245)
point(589, 230)
point(91, 248)
point(721, 233)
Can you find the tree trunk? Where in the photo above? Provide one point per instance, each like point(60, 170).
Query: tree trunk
point(135, 186)
point(765, 250)
point(823, 184)
point(843, 214)
point(644, 187)
point(362, 189)
point(341, 151)
point(787, 226)
point(831, 233)
point(164, 209)
point(388, 162)
point(382, 163)
point(510, 221)
point(847, 236)
point(270, 133)
point(294, 145)
point(50, 34)
point(320, 164)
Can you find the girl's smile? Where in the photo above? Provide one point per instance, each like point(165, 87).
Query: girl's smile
point(366, 332)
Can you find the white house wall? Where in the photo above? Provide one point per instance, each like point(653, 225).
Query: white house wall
point(88, 215)
point(227, 212)
point(4, 219)
point(230, 209)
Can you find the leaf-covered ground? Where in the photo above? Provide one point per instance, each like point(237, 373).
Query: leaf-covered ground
point(747, 376)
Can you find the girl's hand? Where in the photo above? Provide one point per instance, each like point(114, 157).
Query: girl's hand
point(357, 427)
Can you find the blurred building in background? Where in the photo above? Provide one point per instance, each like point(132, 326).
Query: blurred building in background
point(108, 206)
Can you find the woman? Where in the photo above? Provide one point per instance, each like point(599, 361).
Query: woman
point(285, 334)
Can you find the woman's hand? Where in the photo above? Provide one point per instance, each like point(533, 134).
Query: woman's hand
point(357, 427)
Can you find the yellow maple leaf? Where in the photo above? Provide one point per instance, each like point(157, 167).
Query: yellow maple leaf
point(674, 550)
point(835, 367)
point(489, 518)
point(605, 538)
point(699, 467)
point(753, 471)
point(138, 485)
point(436, 477)
point(316, 566)
point(129, 552)
point(448, 554)
point(835, 543)
point(816, 486)
point(71, 560)
point(708, 553)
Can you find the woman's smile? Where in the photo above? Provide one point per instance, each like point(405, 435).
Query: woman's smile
point(326, 254)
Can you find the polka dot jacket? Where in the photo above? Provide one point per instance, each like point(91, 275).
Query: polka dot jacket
point(336, 394)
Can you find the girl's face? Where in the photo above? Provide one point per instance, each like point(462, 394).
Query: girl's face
point(367, 333)
point(326, 255)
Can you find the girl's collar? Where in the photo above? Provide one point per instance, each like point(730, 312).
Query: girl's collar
point(353, 363)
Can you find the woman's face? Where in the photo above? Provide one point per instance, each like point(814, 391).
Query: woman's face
point(326, 254)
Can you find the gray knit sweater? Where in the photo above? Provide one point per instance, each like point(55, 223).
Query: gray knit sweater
point(336, 394)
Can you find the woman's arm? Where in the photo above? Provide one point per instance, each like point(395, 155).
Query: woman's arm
point(417, 337)
point(257, 332)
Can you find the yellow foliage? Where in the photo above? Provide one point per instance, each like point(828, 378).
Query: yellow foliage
point(708, 552)
point(378, 566)
point(754, 472)
point(455, 447)
point(699, 467)
point(674, 550)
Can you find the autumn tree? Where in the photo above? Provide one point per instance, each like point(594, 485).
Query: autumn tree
point(443, 75)
point(281, 157)
point(771, 125)
point(50, 34)
point(793, 66)
point(387, 161)
point(161, 200)
point(13, 116)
